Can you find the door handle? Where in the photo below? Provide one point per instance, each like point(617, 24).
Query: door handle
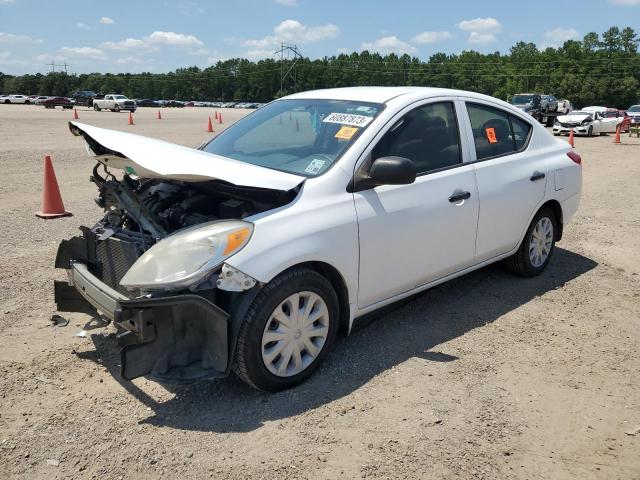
point(537, 176)
point(458, 196)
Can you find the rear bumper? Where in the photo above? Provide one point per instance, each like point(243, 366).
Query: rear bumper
point(173, 339)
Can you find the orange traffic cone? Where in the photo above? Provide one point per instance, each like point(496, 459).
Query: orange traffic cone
point(617, 140)
point(219, 118)
point(131, 119)
point(210, 126)
point(52, 206)
point(216, 115)
point(571, 138)
point(75, 114)
point(159, 115)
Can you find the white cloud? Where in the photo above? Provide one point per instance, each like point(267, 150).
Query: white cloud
point(87, 52)
point(485, 25)
point(482, 31)
point(431, 37)
point(172, 38)
point(7, 2)
point(12, 38)
point(287, 3)
point(391, 44)
point(625, 2)
point(292, 31)
point(151, 42)
point(558, 36)
point(83, 26)
point(106, 21)
point(476, 38)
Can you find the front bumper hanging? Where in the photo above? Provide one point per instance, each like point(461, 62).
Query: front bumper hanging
point(172, 339)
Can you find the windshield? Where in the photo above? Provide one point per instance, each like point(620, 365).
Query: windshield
point(634, 108)
point(303, 137)
point(521, 99)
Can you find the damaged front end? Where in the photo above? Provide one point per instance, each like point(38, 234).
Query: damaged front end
point(155, 264)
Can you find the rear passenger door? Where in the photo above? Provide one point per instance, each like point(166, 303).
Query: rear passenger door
point(511, 181)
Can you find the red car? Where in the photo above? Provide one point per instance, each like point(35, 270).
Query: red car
point(615, 113)
point(54, 102)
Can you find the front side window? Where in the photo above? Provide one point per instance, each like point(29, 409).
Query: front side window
point(496, 132)
point(428, 136)
point(303, 137)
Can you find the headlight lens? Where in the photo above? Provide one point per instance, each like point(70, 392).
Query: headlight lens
point(188, 256)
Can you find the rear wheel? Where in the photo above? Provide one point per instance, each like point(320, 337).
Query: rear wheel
point(287, 331)
point(537, 247)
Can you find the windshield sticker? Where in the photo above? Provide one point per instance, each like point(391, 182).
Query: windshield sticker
point(348, 119)
point(491, 135)
point(345, 133)
point(315, 166)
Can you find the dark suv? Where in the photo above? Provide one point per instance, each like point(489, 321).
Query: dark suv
point(85, 97)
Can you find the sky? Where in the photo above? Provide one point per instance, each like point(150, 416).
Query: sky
point(160, 36)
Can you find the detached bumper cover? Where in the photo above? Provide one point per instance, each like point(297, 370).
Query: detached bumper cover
point(175, 339)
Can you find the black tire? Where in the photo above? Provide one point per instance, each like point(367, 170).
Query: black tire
point(248, 363)
point(590, 132)
point(520, 263)
point(117, 108)
point(96, 107)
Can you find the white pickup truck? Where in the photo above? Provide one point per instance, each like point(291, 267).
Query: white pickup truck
point(115, 103)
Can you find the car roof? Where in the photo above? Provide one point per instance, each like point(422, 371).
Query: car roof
point(378, 94)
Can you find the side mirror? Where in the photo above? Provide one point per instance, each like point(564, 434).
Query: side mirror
point(386, 171)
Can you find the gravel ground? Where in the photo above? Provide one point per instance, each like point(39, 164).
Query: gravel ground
point(488, 376)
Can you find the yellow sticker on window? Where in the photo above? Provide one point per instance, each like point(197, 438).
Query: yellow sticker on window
point(345, 133)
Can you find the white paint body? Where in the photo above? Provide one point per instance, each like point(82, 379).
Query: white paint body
point(390, 241)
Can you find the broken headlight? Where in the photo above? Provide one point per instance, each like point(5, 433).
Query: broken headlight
point(188, 256)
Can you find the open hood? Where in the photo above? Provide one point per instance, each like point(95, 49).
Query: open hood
point(150, 158)
point(572, 118)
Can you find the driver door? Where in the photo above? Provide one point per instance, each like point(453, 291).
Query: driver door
point(411, 235)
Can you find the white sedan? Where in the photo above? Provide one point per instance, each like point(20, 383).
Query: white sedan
point(253, 252)
point(586, 122)
point(12, 99)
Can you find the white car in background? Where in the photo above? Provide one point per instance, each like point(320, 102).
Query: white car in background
point(586, 122)
point(16, 99)
point(40, 99)
point(252, 252)
point(564, 106)
point(634, 112)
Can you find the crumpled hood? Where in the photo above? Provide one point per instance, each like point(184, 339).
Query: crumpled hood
point(150, 158)
point(572, 118)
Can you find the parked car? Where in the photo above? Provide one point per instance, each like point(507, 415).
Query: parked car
point(173, 103)
point(549, 103)
point(625, 126)
point(564, 106)
point(535, 102)
point(38, 100)
point(585, 122)
point(251, 253)
point(147, 103)
point(634, 113)
point(115, 103)
point(85, 97)
point(623, 120)
point(17, 99)
point(53, 102)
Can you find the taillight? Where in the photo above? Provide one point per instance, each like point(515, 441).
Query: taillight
point(575, 157)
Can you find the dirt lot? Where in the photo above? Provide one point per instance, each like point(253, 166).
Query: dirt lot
point(489, 376)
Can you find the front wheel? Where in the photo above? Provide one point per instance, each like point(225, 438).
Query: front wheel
point(96, 107)
point(116, 109)
point(590, 132)
point(287, 331)
point(535, 251)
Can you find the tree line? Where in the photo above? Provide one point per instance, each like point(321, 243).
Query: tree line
point(597, 70)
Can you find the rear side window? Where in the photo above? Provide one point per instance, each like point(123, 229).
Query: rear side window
point(496, 132)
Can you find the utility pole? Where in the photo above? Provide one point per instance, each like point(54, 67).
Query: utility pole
point(286, 51)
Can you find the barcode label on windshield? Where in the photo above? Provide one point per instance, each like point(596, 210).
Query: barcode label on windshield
point(348, 119)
